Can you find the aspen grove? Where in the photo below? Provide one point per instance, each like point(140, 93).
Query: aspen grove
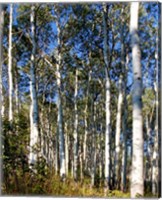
point(79, 99)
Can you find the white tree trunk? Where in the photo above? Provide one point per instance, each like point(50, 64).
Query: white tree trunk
point(149, 154)
point(66, 149)
point(107, 102)
point(137, 183)
point(10, 75)
point(86, 121)
point(17, 93)
point(59, 106)
point(93, 162)
point(100, 155)
point(118, 131)
point(56, 151)
point(155, 149)
point(34, 130)
point(76, 126)
point(81, 162)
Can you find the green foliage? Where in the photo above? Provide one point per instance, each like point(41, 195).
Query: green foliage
point(118, 194)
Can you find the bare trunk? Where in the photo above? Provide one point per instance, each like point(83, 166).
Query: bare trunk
point(86, 121)
point(107, 102)
point(56, 151)
point(34, 130)
point(148, 170)
point(59, 105)
point(66, 149)
point(137, 183)
point(124, 125)
point(93, 162)
point(10, 75)
point(155, 149)
point(100, 156)
point(81, 162)
point(118, 132)
point(76, 126)
point(17, 92)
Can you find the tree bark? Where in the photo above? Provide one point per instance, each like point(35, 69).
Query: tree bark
point(155, 149)
point(66, 149)
point(34, 125)
point(137, 183)
point(10, 73)
point(124, 125)
point(118, 132)
point(59, 106)
point(107, 102)
point(93, 159)
point(86, 121)
point(76, 126)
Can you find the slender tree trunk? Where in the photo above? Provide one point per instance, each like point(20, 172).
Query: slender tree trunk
point(81, 161)
point(107, 102)
point(137, 183)
point(148, 159)
point(34, 130)
point(17, 91)
point(59, 104)
point(155, 149)
point(100, 156)
point(66, 149)
point(118, 132)
point(56, 151)
point(76, 127)
point(10, 73)
point(93, 162)
point(1, 93)
point(86, 121)
point(124, 125)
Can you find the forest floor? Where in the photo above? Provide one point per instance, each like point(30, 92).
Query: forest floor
point(51, 185)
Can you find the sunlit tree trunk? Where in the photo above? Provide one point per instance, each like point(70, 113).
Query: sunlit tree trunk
point(93, 158)
point(34, 130)
point(100, 155)
point(86, 121)
point(137, 182)
point(81, 161)
point(107, 102)
point(118, 132)
point(10, 73)
point(155, 148)
point(148, 171)
point(59, 106)
point(76, 126)
point(66, 149)
point(56, 151)
point(17, 90)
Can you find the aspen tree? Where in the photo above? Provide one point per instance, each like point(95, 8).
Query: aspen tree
point(137, 183)
point(10, 73)
point(76, 125)
point(59, 101)
point(34, 126)
point(107, 101)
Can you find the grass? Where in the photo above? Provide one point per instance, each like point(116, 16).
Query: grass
point(51, 185)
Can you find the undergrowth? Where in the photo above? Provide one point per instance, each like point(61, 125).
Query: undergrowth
point(51, 185)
